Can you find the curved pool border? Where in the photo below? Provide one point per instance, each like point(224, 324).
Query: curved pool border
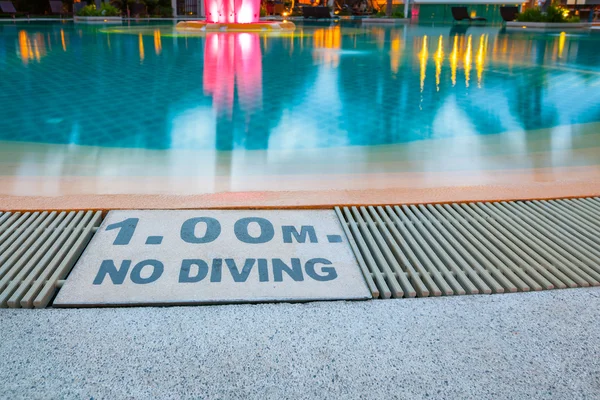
point(568, 187)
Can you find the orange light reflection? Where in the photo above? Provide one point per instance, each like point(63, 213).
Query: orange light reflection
point(141, 46)
point(157, 42)
point(439, 59)
point(468, 60)
point(454, 60)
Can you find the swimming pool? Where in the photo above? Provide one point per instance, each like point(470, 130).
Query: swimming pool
point(295, 111)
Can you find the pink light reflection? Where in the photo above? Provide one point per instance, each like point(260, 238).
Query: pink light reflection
point(232, 11)
point(232, 59)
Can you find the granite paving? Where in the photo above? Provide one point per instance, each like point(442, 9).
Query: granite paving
point(543, 345)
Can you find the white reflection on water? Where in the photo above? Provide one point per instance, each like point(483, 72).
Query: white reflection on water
point(323, 99)
point(314, 107)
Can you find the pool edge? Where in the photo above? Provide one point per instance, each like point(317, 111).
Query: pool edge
point(304, 199)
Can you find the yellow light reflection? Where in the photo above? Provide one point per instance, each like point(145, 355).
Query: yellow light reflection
point(468, 60)
point(62, 40)
point(379, 37)
point(36, 49)
point(328, 39)
point(141, 44)
point(561, 43)
point(454, 60)
point(423, 55)
point(157, 42)
point(479, 60)
point(395, 53)
point(24, 47)
point(439, 59)
point(462, 50)
point(33, 48)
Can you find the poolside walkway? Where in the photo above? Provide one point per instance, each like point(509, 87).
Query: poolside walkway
point(543, 345)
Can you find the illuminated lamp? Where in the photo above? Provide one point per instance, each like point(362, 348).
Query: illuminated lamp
point(234, 16)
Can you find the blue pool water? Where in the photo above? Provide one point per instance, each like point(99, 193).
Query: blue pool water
point(326, 85)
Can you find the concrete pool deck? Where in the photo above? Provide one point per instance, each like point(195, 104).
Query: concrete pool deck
point(543, 345)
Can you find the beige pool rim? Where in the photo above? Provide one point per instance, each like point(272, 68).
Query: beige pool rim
point(304, 199)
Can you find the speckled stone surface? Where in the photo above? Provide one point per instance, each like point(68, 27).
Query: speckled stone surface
point(522, 346)
point(296, 255)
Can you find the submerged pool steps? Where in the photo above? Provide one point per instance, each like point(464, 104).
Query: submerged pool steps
point(469, 248)
point(38, 250)
point(403, 250)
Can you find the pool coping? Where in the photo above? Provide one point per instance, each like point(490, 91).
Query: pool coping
point(547, 26)
point(303, 199)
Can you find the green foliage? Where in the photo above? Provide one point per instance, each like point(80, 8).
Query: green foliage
point(89, 11)
point(106, 10)
point(553, 14)
point(155, 8)
point(533, 14)
point(164, 11)
point(396, 13)
point(263, 11)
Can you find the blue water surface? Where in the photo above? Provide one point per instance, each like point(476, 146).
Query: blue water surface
point(144, 85)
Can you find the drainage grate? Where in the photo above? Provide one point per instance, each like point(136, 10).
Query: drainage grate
point(38, 250)
point(403, 251)
point(450, 249)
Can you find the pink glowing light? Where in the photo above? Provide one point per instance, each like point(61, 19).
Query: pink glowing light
point(232, 11)
point(230, 60)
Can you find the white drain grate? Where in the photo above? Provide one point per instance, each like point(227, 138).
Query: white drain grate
point(404, 251)
point(38, 250)
point(450, 249)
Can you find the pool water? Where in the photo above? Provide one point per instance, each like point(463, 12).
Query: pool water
point(335, 113)
point(326, 85)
